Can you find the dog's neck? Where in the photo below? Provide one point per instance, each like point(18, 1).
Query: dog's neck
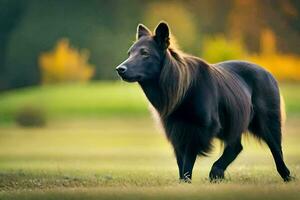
point(153, 92)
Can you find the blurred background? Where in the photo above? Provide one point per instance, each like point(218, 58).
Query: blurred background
point(61, 101)
point(62, 41)
point(56, 42)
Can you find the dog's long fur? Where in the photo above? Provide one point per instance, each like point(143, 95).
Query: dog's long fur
point(175, 89)
point(179, 79)
point(197, 101)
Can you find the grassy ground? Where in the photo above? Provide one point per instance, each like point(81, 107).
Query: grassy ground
point(130, 159)
point(97, 99)
point(124, 156)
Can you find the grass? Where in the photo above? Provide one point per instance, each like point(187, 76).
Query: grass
point(97, 99)
point(291, 94)
point(127, 158)
point(100, 143)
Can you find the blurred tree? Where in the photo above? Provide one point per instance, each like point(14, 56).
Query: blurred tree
point(218, 48)
point(65, 64)
point(178, 17)
point(10, 15)
point(107, 29)
point(210, 16)
point(267, 42)
point(282, 65)
point(284, 20)
point(248, 18)
point(245, 22)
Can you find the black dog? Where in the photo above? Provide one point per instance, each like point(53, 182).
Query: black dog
point(197, 101)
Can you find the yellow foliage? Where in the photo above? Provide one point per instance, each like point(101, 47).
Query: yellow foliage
point(268, 42)
point(65, 64)
point(282, 66)
point(218, 48)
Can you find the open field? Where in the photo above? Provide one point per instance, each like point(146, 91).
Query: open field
point(124, 156)
point(129, 158)
point(98, 99)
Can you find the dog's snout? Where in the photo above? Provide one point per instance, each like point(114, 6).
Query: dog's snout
point(121, 69)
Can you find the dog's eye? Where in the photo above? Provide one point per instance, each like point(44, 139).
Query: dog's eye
point(144, 52)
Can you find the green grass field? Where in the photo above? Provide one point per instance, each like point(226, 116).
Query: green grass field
point(118, 153)
point(98, 99)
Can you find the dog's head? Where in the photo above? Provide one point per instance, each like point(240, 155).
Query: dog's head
point(146, 55)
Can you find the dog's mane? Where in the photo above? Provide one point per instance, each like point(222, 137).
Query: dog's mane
point(176, 77)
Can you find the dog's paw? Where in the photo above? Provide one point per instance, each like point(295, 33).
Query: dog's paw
point(186, 178)
point(289, 178)
point(216, 174)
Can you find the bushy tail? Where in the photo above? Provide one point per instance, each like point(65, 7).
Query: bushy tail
point(282, 111)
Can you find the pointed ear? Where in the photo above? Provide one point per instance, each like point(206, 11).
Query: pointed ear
point(162, 35)
point(142, 30)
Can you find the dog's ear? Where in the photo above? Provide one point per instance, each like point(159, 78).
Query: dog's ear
point(162, 33)
point(142, 30)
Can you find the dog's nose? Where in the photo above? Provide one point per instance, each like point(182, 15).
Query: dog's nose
point(121, 69)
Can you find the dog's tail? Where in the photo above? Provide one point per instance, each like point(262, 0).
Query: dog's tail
point(282, 111)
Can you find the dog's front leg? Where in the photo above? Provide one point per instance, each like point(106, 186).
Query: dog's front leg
point(185, 160)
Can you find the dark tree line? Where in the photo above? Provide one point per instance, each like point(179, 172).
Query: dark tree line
point(10, 15)
point(107, 28)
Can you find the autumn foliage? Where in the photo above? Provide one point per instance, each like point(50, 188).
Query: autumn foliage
point(282, 66)
point(65, 64)
point(218, 48)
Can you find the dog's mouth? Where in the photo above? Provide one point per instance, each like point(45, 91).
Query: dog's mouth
point(131, 79)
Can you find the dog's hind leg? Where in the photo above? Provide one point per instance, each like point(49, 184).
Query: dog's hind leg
point(231, 151)
point(268, 127)
point(278, 158)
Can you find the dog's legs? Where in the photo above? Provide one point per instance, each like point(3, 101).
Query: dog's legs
point(179, 160)
point(278, 158)
point(268, 127)
point(185, 160)
point(231, 151)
